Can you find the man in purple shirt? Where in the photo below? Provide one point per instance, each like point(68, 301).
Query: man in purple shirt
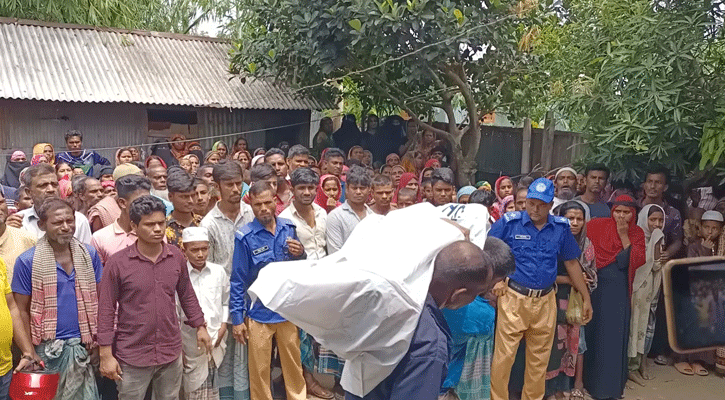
point(144, 279)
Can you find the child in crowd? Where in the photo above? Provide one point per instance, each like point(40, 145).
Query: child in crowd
point(710, 230)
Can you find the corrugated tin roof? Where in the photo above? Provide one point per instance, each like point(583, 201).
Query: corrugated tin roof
point(59, 62)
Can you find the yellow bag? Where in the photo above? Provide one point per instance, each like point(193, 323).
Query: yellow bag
point(575, 308)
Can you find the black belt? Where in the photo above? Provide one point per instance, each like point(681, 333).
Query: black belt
point(529, 292)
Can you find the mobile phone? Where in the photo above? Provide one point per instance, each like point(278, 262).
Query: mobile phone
point(694, 291)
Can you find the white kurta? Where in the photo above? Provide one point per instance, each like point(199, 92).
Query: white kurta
point(364, 301)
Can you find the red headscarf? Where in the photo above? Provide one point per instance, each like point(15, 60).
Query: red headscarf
point(496, 208)
point(430, 162)
point(404, 179)
point(321, 198)
point(607, 245)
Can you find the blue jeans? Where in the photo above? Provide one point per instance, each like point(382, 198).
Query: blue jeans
point(5, 385)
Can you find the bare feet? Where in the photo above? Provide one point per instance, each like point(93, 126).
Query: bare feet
point(645, 369)
point(635, 377)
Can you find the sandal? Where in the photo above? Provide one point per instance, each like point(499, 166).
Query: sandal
point(661, 360)
point(576, 394)
point(315, 389)
point(684, 368)
point(699, 369)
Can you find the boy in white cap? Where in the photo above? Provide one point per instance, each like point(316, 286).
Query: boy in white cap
point(211, 285)
point(710, 230)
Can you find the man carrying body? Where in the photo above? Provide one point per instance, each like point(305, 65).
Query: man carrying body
point(55, 289)
point(182, 194)
point(77, 157)
point(119, 235)
point(527, 303)
point(264, 240)
point(140, 285)
point(42, 183)
point(595, 178)
point(382, 189)
point(565, 183)
point(229, 214)
point(211, 285)
point(342, 220)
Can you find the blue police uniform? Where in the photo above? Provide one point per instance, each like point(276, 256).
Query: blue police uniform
point(528, 307)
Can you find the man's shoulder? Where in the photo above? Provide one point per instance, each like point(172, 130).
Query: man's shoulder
point(512, 217)
point(287, 213)
point(80, 217)
point(560, 220)
point(216, 269)
point(26, 257)
point(21, 235)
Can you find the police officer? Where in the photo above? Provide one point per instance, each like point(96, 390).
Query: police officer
point(527, 303)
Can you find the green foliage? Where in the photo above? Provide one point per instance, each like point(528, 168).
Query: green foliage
point(181, 16)
point(644, 79)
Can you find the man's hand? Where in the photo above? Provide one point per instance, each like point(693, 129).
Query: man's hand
point(295, 247)
point(587, 312)
point(220, 335)
point(203, 340)
point(331, 202)
point(708, 243)
point(241, 333)
point(30, 362)
point(499, 288)
point(15, 220)
point(111, 369)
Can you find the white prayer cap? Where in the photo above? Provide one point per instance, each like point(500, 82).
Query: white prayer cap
point(195, 234)
point(565, 169)
point(712, 216)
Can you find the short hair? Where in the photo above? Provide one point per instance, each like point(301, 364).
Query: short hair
point(407, 192)
point(19, 192)
point(179, 181)
point(525, 182)
point(223, 171)
point(259, 188)
point(37, 170)
point(273, 151)
point(484, 197)
point(358, 176)
point(381, 180)
point(144, 206)
point(444, 175)
point(261, 172)
point(353, 161)
point(72, 133)
point(596, 167)
point(658, 170)
point(126, 185)
point(463, 262)
point(78, 184)
point(297, 150)
point(501, 256)
point(304, 176)
point(52, 204)
point(428, 181)
point(333, 152)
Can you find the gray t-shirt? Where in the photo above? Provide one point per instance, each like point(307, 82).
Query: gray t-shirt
point(598, 210)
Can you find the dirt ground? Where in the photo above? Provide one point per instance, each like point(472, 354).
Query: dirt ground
point(672, 385)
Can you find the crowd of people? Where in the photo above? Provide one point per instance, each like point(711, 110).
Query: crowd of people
point(130, 276)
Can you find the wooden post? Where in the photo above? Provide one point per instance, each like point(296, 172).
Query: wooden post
point(547, 143)
point(526, 147)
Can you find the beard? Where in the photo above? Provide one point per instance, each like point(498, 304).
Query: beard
point(566, 193)
point(163, 194)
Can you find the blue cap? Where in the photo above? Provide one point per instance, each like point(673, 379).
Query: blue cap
point(541, 189)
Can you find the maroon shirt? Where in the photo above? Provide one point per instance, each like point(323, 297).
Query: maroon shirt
point(148, 331)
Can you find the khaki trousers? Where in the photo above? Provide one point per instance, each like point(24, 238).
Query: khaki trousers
point(260, 354)
point(533, 319)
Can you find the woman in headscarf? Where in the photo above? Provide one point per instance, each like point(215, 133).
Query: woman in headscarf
point(464, 193)
point(328, 192)
point(244, 158)
point(428, 141)
point(392, 159)
point(645, 292)
point(348, 135)
point(194, 162)
point(409, 180)
point(137, 154)
point(260, 151)
point(220, 148)
point(38, 159)
point(619, 246)
point(433, 163)
point(504, 187)
point(47, 150)
point(161, 150)
point(124, 155)
point(15, 164)
point(412, 161)
point(258, 159)
point(323, 137)
point(506, 205)
point(396, 173)
point(356, 152)
point(566, 360)
point(212, 157)
point(64, 172)
point(179, 146)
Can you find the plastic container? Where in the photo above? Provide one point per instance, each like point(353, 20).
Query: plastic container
point(36, 385)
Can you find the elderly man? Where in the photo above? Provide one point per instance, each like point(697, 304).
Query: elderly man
point(58, 277)
point(42, 183)
point(89, 192)
point(565, 182)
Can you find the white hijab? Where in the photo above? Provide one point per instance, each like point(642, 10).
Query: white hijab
point(651, 239)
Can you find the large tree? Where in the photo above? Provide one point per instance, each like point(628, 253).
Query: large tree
point(413, 54)
point(644, 77)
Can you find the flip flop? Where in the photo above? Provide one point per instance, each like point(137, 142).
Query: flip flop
point(684, 368)
point(576, 394)
point(661, 360)
point(699, 369)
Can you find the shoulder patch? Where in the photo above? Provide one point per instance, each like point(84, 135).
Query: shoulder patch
point(511, 216)
point(285, 221)
point(562, 220)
